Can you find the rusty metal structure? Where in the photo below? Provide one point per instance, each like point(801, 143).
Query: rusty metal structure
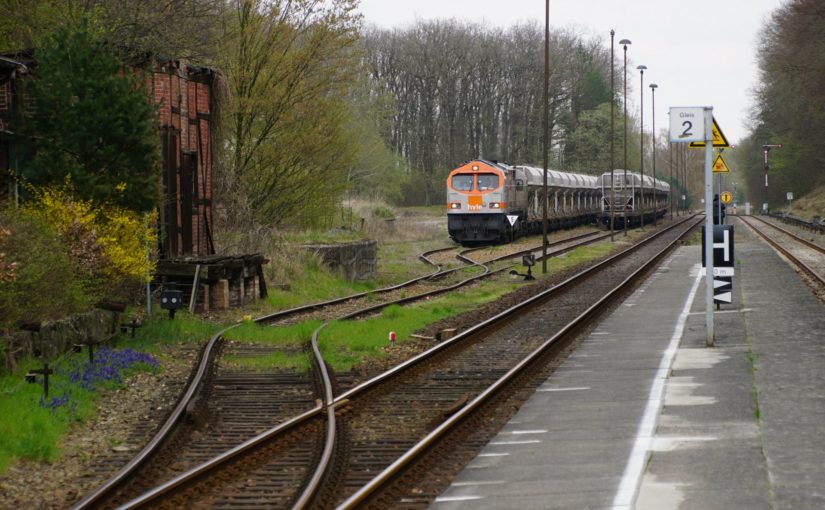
point(184, 100)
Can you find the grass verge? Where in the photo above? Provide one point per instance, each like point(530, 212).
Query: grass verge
point(32, 424)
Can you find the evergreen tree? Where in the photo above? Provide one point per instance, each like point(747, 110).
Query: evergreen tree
point(90, 120)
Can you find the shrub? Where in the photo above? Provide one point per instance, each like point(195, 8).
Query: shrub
point(45, 284)
point(107, 244)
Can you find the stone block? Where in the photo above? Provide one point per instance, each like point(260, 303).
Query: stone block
point(219, 295)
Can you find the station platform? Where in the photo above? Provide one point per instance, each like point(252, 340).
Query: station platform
point(644, 416)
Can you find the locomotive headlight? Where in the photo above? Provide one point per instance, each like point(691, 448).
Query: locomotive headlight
point(455, 205)
point(495, 205)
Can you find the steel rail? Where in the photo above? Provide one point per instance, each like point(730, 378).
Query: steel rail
point(115, 481)
point(265, 437)
point(310, 491)
point(796, 237)
point(151, 447)
point(316, 306)
point(312, 488)
point(192, 474)
point(450, 423)
point(784, 251)
point(486, 274)
point(343, 399)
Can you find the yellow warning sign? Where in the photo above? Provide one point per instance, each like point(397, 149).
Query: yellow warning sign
point(726, 197)
point(719, 165)
point(719, 139)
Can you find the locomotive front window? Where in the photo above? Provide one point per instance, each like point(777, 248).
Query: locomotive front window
point(486, 182)
point(463, 182)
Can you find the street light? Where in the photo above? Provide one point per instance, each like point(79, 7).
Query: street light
point(625, 43)
point(546, 122)
point(612, 144)
point(653, 88)
point(641, 69)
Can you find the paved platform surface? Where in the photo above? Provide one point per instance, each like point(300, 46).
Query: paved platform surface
point(644, 416)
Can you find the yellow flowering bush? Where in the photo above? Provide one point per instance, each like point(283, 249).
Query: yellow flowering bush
point(106, 242)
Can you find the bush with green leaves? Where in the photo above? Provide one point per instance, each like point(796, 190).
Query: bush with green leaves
point(45, 284)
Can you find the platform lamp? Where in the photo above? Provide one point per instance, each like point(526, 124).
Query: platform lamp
point(641, 69)
point(625, 43)
point(653, 88)
point(612, 143)
point(546, 123)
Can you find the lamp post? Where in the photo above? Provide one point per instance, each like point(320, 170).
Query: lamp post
point(641, 69)
point(612, 144)
point(546, 134)
point(653, 88)
point(670, 160)
point(625, 43)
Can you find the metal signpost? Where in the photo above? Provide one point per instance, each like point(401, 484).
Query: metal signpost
point(695, 124)
point(766, 148)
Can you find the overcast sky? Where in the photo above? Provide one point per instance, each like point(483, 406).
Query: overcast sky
point(700, 52)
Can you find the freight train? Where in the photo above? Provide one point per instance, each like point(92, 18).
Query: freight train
point(490, 201)
point(626, 197)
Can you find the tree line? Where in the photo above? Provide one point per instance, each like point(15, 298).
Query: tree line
point(314, 105)
point(464, 90)
point(788, 106)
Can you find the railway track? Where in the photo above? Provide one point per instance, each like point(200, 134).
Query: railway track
point(384, 417)
point(226, 404)
point(807, 256)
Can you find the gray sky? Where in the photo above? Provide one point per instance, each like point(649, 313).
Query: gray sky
point(700, 52)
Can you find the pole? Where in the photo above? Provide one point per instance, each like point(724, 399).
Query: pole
point(653, 127)
point(624, 184)
point(546, 134)
point(670, 159)
point(642, 143)
point(612, 143)
point(709, 342)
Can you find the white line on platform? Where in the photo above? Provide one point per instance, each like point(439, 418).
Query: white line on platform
point(578, 388)
point(600, 333)
point(504, 443)
point(445, 499)
point(715, 312)
point(493, 454)
point(632, 477)
point(538, 431)
point(469, 484)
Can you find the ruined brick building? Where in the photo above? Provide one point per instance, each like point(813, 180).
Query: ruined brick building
point(184, 99)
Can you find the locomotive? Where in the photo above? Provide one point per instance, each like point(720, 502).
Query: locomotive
point(490, 201)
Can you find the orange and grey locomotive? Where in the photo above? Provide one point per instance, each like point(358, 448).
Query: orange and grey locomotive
point(489, 201)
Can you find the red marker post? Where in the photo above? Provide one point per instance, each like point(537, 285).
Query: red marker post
point(392, 339)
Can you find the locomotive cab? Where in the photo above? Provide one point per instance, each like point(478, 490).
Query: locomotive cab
point(479, 196)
